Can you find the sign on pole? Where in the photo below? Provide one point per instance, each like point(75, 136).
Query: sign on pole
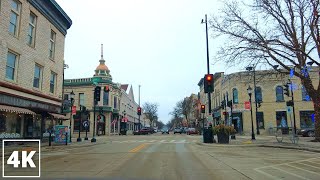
point(247, 105)
point(74, 110)
point(289, 109)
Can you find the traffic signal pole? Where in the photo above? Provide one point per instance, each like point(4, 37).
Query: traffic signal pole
point(255, 99)
point(294, 116)
point(139, 127)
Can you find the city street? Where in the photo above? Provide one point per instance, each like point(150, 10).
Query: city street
point(177, 157)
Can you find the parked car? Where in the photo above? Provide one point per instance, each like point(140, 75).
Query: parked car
point(177, 130)
point(192, 131)
point(184, 129)
point(143, 131)
point(306, 132)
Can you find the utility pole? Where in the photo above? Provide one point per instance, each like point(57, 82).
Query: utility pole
point(294, 116)
point(139, 107)
point(255, 98)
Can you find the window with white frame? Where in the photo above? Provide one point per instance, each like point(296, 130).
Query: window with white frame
point(11, 65)
point(53, 77)
point(32, 29)
point(37, 76)
point(52, 44)
point(81, 99)
point(14, 17)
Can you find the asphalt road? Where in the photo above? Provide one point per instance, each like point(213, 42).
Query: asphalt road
point(176, 157)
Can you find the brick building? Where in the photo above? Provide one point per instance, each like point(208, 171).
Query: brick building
point(32, 37)
point(270, 94)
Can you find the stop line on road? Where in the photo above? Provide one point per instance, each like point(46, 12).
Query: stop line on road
point(156, 141)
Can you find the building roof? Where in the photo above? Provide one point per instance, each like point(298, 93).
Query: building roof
point(124, 87)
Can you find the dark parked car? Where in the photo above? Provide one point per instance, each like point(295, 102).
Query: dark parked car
point(165, 130)
point(306, 132)
point(143, 131)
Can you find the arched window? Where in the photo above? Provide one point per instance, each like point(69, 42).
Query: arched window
point(258, 94)
point(279, 94)
point(235, 96)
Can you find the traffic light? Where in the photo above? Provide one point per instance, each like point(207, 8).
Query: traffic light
point(289, 103)
point(139, 111)
point(106, 89)
point(208, 83)
point(203, 108)
point(97, 91)
point(229, 104)
point(286, 89)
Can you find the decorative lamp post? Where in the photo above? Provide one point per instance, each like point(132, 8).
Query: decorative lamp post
point(252, 129)
point(72, 103)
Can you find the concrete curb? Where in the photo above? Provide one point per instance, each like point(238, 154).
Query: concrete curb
point(291, 147)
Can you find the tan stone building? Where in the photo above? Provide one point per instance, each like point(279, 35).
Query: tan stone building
point(270, 94)
point(106, 116)
point(32, 37)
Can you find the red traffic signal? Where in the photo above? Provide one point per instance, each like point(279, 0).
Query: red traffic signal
point(208, 83)
point(139, 111)
point(106, 89)
point(203, 108)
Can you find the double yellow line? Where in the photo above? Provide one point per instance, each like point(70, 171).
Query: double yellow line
point(138, 148)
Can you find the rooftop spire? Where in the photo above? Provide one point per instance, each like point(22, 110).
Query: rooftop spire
point(101, 51)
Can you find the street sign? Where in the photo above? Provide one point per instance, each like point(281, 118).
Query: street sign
point(74, 110)
point(289, 109)
point(85, 124)
point(247, 105)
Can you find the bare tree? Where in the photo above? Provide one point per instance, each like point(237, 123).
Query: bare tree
point(275, 32)
point(151, 111)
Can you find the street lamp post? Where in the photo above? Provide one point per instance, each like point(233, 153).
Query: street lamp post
point(252, 129)
point(139, 127)
point(94, 121)
point(252, 68)
point(79, 138)
point(72, 103)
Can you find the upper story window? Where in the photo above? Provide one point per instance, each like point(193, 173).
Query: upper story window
point(81, 99)
point(279, 94)
point(14, 17)
point(304, 94)
point(52, 44)
point(259, 94)
point(53, 78)
point(11, 66)
point(37, 76)
point(32, 29)
point(115, 102)
point(105, 98)
point(235, 96)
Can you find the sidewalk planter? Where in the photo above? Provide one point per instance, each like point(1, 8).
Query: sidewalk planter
point(223, 138)
point(223, 132)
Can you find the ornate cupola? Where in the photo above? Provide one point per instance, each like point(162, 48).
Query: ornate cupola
point(102, 70)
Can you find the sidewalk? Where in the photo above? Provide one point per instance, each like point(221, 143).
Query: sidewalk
point(54, 146)
point(270, 141)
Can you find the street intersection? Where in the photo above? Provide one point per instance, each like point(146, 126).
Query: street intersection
point(176, 157)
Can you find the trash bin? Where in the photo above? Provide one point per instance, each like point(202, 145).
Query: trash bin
point(207, 136)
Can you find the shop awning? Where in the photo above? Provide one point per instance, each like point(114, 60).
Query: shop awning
point(13, 109)
point(58, 116)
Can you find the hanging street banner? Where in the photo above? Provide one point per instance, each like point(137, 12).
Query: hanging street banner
point(74, 110)
point(247, 105)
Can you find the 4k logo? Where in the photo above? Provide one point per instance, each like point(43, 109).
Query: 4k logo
point(16, 157)
point(26, 158)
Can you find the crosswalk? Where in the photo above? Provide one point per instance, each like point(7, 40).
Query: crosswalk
point(303, 169)
point(155, 141)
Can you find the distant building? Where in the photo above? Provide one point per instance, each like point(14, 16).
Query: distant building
point(32, 37)
point(107, 109)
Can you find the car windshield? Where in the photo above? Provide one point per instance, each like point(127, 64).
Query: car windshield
point(160, 89)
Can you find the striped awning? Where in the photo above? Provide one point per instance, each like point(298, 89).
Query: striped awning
point(58, 116)
point(18, 110)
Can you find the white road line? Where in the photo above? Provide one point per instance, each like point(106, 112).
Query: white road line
point(194, 140)
point(182, 141)
point(287, 163)
point(302, 169)
point(290, 173)
point(309, 165)
point(162, 141)
point(152, 141)
point(266, 174)
point(172, 141)
point(142, 141)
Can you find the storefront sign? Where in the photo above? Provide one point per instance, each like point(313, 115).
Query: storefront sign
point(74, 110)
point(247, 105)
point(60, 134)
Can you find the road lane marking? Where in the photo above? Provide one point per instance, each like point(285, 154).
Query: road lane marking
point(267, 174)
point(138, 148)
point(292, 174)
point(309, 165)
point(302, 169)
point(162, 141)
point(172, 141)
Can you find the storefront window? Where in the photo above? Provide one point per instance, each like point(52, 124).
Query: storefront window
point(281, 116)
point(306, 120)
point(260, 120)
point(78, 120)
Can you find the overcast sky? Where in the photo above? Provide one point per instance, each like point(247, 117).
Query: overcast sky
point(159, 44)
